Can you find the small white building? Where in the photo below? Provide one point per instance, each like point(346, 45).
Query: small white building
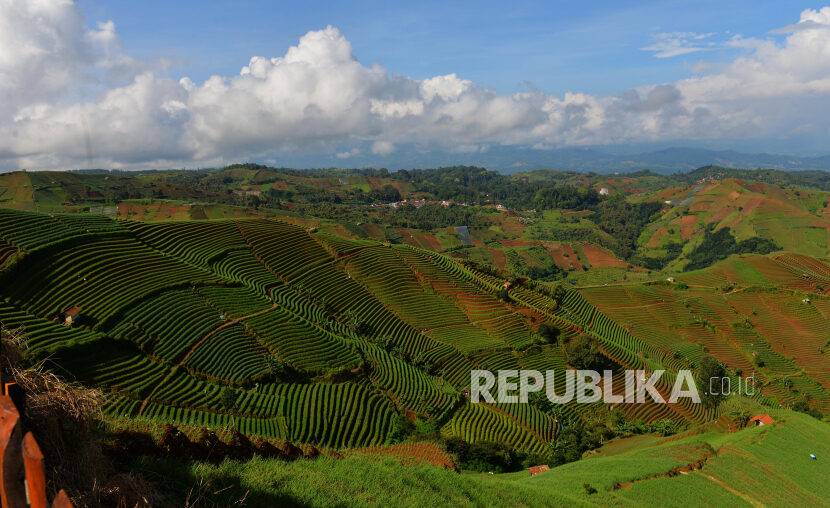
point(71, 314)
point(603, 191)
point(671, 279)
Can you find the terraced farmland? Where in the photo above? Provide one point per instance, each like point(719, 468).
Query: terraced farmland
point(282, 332)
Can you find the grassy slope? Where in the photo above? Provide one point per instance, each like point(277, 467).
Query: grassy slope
point(756, 466)
point(795, 218)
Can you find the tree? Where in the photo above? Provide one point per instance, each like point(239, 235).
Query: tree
point(584, 353)
point(388, 193)
point(711, 374)
point(549, 333)
point(803, 407)
point(558, 293)
point(228, 398)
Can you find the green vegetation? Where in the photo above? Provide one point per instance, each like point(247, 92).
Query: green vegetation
point(721, 244)
point(298, 309)
point(723, 469)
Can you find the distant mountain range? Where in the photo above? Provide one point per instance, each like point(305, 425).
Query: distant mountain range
point(514, 159)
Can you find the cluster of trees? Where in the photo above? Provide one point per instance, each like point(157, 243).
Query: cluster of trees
point(584, 353)
point(434, 216)
point(710, 368)
point(720, 244)
point(567, 197)
point(803, 407)
point(490, 456)
point(625, 222)
point(673, 251)
point(546, 268)
point(472, 185)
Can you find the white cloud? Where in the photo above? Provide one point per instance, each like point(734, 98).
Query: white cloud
point(701, 67)
point(382, 148)
point(810, 20)
point(318, 98)
point(669, 44)
point(345, 155)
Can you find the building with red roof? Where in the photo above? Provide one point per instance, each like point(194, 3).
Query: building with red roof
point(762, 420)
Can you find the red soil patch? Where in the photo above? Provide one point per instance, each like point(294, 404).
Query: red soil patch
point(341, 231)
point(375, 182)
point(421, 240)
point(556, 253)
point(409, 454)
point(518, 243)
point(433, 241)
point(373, 230)
point(752, 204)
point(601, 258)
point(655, 239)
point(572, 258)
point(820, 224)
point(499, 259)
point(720, 215)
point(511, 225)
point(687, 225)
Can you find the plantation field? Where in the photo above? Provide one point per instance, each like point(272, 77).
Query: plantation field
point(283, 332)
point(276, 330)
point(752, 329)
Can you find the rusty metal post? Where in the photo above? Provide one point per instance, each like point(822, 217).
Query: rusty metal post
point(12, 494)
point(62, 500)
point(35, 477)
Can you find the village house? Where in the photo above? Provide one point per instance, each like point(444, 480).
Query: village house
point(70, 314)
point(762, 420)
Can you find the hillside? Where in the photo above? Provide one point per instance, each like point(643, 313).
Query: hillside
point(763, 466)
point(344, 328)
point(223, 323)
point(176, 301)
point(795, 218)
point(546, 225)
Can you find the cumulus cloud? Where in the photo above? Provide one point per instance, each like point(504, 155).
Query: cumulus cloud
point(318, 98)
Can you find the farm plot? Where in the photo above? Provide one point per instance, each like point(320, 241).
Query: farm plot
point(229, 354)
point(241, 266)
point(392, 282)
point(301, 343)
point(196, 242)
point(29, 230)
point(334, 415)
point(287, 250)
point(479, 422)
point(168, 325)
point(102, 276)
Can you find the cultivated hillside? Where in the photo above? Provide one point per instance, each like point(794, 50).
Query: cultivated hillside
point(287, 333)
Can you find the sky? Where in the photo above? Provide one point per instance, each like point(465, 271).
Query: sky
point(190, 84)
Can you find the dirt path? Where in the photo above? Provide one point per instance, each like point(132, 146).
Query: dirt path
point(738, 493)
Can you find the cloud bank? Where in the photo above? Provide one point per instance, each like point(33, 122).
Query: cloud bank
point(319, 98)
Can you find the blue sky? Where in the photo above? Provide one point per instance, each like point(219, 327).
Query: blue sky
point(592, 47)
point(187, 83)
